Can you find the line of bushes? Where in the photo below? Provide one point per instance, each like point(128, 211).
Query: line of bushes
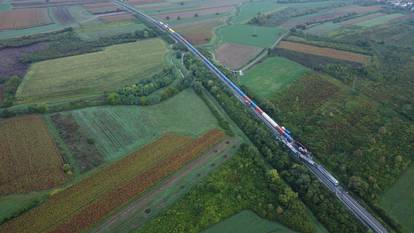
point(151, 91)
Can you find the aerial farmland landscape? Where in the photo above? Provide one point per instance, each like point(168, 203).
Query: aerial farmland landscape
point(211, 116)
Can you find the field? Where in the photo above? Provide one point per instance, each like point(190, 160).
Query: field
point(399, 200)
point(118, 130)
point(235, 56)
point(29, 158)
point(91, 74)
point(169, 190)
point(272, 75)
point(247, 222)
point(325, 52)
point(83, 154)
point(24, 18)
point(192, 13)
point(262, 37)
point(13, 205)
point(199, 32)
point(83, 204)
point(62, 15)
point(101, 7)
point(114, 17)
point(250, 9)
point(379, 20)
point(361, 19)
point(96, 31)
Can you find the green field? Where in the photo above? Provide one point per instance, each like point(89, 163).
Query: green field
point(14, 204)
point(250, 9)
point(379, 20)
point(5, 5)
point(247, 222)
point(118, 130)
point(324, 29)
point(272, 75)
point(96, 31)
point(252, 35)
point(399, 200)
point(7, 34)
point(90, 74)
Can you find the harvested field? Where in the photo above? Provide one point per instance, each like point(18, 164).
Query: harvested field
point(114, 17)
point(251, 35)
point(191, 12)
point(23, 18)
point(93, 32)
point(200, 32)
point(82, 205)
point(91, 74)
point(325, 52)
point(84, 150)
point(29, 159)
point(62, 15)
point(235, 56)
point(119, 130)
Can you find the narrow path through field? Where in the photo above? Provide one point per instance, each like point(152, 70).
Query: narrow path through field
point(143, 203)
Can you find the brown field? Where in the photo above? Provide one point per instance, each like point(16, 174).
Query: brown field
point(79, 207)
point(235, 56)
point(29, 159)
point(23, 18)
point(190, 13)
point(116, 17)
point(199, 33)
point(325, 52)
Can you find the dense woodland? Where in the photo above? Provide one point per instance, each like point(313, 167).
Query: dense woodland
point(244, 182)
point(312, 193)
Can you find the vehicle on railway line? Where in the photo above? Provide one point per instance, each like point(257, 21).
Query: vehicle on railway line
point(328, 175)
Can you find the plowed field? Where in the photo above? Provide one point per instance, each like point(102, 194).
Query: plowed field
point(29, 159)
point(325, 52)
point(23, 18)
point(82, 205)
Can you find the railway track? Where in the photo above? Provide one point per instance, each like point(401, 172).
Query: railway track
point(280, 133)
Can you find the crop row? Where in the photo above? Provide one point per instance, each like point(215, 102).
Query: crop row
point(122, 194)
point(64, 205)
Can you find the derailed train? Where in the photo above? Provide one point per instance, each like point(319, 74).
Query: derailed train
point(299, 150)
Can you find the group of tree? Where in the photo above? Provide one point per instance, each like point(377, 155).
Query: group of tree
point(322, 203)
point(151, 91)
